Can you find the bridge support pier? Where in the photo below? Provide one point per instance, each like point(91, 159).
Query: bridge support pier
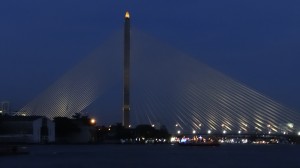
point(126, 92)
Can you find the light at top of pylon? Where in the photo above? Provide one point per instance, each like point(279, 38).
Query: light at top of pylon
point(127, 14)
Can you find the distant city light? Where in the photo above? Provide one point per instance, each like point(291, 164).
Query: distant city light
point(153, 125)
point(178, 132)
point(239, 132)
point(0, 111)
point(194, 132)
point(173, 139)
point(209, 131)
point(299, 133)
point(176, 125)
point(224, 132)
point(290, 125)
point(93, 121)
point(129, 126)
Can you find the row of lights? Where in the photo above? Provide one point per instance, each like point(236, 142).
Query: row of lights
point(290, 125)
point(224, 132)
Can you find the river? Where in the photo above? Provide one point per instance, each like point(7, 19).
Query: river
point(155, 156)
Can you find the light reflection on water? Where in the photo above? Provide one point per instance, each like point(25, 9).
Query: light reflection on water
point(154, 156)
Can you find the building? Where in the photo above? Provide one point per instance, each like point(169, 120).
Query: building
point(4, 107)
point(26, 129)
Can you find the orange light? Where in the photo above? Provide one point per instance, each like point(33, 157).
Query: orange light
point(127, 15)
point(93, 121)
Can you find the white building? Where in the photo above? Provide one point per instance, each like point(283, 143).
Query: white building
point(26, 129)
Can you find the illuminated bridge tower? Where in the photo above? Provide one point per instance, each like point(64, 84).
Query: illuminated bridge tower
point(126, 85)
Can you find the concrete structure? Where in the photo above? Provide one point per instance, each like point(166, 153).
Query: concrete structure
point(26, 129)
point(126, 99)
point(171, 88)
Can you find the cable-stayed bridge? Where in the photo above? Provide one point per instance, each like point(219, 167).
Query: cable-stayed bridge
point(168, 88)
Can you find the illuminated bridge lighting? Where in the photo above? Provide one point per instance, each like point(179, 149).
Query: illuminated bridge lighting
point(168, 87)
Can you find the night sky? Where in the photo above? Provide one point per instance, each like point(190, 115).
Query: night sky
point(256, 42)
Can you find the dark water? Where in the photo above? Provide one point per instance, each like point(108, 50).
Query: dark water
point(155, 156)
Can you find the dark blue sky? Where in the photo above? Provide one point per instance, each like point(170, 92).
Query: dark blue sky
point(255, 42)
